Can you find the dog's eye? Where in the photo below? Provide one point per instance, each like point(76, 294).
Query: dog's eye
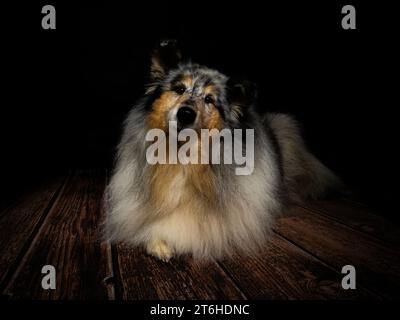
point(208, 99)
point(179, 89)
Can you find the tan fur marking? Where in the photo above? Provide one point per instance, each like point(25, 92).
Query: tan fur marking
point(158, 117)
point(201, 181)
point(211, 90)
point(187, 81)
point(213, 120)
point(182, 186)
point(162, 181)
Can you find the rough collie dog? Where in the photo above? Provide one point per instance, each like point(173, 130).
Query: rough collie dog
point(205, 210)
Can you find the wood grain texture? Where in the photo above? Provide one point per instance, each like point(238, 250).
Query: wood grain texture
point(70, 240)
point(19, 224)
point(144, 277)
point(60, 223)
point(360, 218)
point(284, 271)
point(378, 267)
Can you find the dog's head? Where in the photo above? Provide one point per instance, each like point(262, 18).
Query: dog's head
point(193, 95)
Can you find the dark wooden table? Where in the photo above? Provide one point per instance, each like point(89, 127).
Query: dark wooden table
point(59, 223)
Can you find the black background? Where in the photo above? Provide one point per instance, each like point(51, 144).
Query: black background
point(66, 91)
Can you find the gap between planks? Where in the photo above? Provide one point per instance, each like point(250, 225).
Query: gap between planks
point(74, 181)
point(324, 263)
point(338, 245)
point(380, 230)
point(12, 273)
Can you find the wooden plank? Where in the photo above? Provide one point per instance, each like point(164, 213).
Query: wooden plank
point(358, 217)
point(19, 223)
point(145, 277)
point(70, 240)
point(378, 267)
point(284, 271)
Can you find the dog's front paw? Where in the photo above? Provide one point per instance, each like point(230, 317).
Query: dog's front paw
point(160, 250)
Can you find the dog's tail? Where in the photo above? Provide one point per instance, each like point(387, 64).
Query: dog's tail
point(303, 174)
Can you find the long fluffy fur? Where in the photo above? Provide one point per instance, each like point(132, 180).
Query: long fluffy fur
point(207, 210)
point(304, 176)
point(237, 218)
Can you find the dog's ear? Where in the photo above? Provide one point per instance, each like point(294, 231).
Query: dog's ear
point(241, 92)
point(165, 57)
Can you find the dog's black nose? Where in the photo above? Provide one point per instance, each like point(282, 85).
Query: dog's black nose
point(186, 116)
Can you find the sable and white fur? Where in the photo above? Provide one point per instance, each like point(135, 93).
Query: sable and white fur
point(207, 210)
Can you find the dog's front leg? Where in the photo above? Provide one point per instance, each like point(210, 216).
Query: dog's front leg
point(160, 249)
